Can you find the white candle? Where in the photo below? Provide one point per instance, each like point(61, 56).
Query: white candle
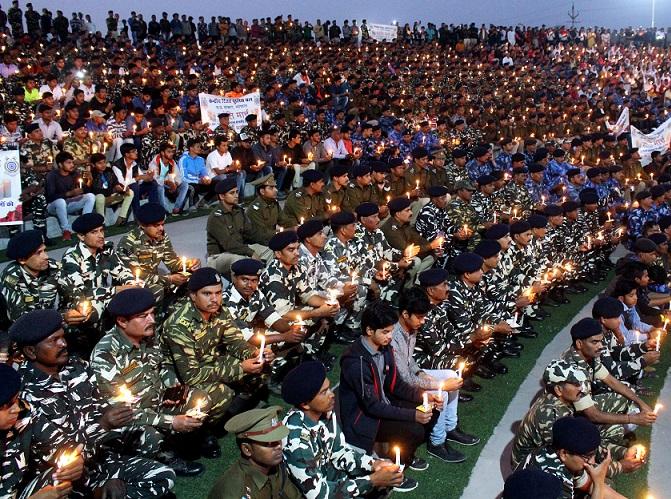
point(397, 450)
point(460, 369)
point(85, 307)
point(262, 339)
point(335, 425)
point(659, 340)
point(440, 391)
point(658, 406)
point(184, 265)
point(137, 276)
point(425, 401)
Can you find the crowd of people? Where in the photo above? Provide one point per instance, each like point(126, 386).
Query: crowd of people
point(421, 201)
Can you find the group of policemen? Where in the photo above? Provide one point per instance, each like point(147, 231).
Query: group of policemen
point(498, 193)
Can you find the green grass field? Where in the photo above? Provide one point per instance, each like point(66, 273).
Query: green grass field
point(479, 417)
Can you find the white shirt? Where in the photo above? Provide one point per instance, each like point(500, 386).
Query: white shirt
point(128, 179)
point(52, 131)
point(219, 161)
point(57, 91)
point(89, 92)
point(339, 150)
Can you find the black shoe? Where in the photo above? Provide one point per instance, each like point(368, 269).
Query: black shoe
point(465, 397)
point(209, 447)
point(580, 288)
point(275, 387)
point(527, 333)
point(544, 314)
point(514, 346)
point(418, 464)
point(462, 438)
point(445, 453)
point(497, 367)
point(484, 372)
point(470, 386)
point(185, 468)
point(550, 303)
point(508, 352)
point(407, 485)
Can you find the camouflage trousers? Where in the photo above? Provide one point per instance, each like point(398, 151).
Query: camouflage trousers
point(350, 315)
point(143, 477)
point(37, 207)
point(311, 346)
point(222, 394)
point(612, 436)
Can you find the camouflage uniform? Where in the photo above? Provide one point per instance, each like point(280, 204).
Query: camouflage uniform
point(461, 213)
point(147, 374)
point(252, 132)
point(208, 355)
point(547, 460)
point(138, 252)
point(302, 206)
point(35, 204)
point(483, 206)
point(15, 454)
point(150, 146)
point(320, 461)
point(66, 411)
point(81, 151)
point(454, 174)
point(24, 292)
point(438, 343)
point(248, 314)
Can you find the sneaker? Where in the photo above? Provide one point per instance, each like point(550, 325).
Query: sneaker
point(445, 453)
point(407, 485)
point(418, 464)
point(462, 438)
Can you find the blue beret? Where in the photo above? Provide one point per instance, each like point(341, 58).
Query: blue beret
point(433, 277)
point(486, 180)
point(437, 191)
point(311, 176)
point(225, 185)
point(367, 209)
point(459, 153)
point(607, 307)
point(338, 171)
point(203, 277)
point(569, 206)
point(33, 327)
point(497, 231)
point(282, 239)
point(11, 383)
point(553, 210)
point(309, 228)
point(588, 196)
point(130, 302)
point(576, 435)
point(342, 218)
point(24, 244)
point(532, 484)
point(536, 167)
point(87, 222)
point(467, 262)
point(360, 171)
point(150, 213)
point(380, 167)
point(519, 227)
point(585, 328)
point(537, 221)
point(487, 248)
point(398, 204)
point(419, 152)
point(247, 266)
point(303, 382)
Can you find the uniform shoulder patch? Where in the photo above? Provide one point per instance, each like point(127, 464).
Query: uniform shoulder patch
point(255, 206)
point(183, 321)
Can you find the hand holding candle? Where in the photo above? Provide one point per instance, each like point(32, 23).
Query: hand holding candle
point(262, 340)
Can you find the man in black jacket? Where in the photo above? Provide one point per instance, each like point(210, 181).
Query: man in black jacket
point(377, 406)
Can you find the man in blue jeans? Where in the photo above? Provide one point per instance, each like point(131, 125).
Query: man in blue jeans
point(131, 176)
point(65, 193)
point(414, 305)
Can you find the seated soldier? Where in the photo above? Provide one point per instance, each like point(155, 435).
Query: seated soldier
point(128, 356)
point(107, 189)
point(319, 459)
point(532, 484)
point(68, 411)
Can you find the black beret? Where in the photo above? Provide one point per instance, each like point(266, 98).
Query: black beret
point(497, 231)
point(585, 328)
point(203, 277)
point(437, 191)
point(459, 153)
point(32, 127)
point(537, 221)
point(24, 244)
point(572, 172)
point(310, 176)
point(520, 169)
point(282, 239)
point(433, 277)
point(487, 248)
point(593, 172)
point(576, 435)
point(486, 180)
point(367, 209)
point(343, 218)
point(250, 117)
point(588, 196)
point(150, 213)
point(398, 204)
point(558, 153)
point(535, 168)
point(126, 148)
point(338, 171)
point(467, 262)
point(79, 124)
point(380, 167)
point(130, 302)
point(519, 227)
point(665, 222)
point(480, 151)
point(419, 153)
point(532, 484)
point(553, 210)
point(658, 238)
point(529, 141)
point(644, 245)
point(657, 190)
point(540, 154)
point(517, 157)
point(11, 383)
point(459, 121)
point(569, 206)
point(607, 307)
point(34, 326)
point(394, 162)
point(226, 185)
point(87, 222)
point(309, 228)
point(247, 266)
point(642, 195)
point(303, 382)
point(360, 171)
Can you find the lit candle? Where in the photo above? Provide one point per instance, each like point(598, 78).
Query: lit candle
point(302, 220)
point(81, 182)
point(85, 307)
point(262, 339)
point(637, 335)
point(425, 401)
point(124, 395)
point(659, 341)
point(397, 451)
point(354, 275)
point(64, 460)
point(183, 265)
point(137, 277)
point(639, 452)
point(494, 217)
point(440, 391)
point(417, 184)
point(658, 406)
point(384, 271)
point(460, 369)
